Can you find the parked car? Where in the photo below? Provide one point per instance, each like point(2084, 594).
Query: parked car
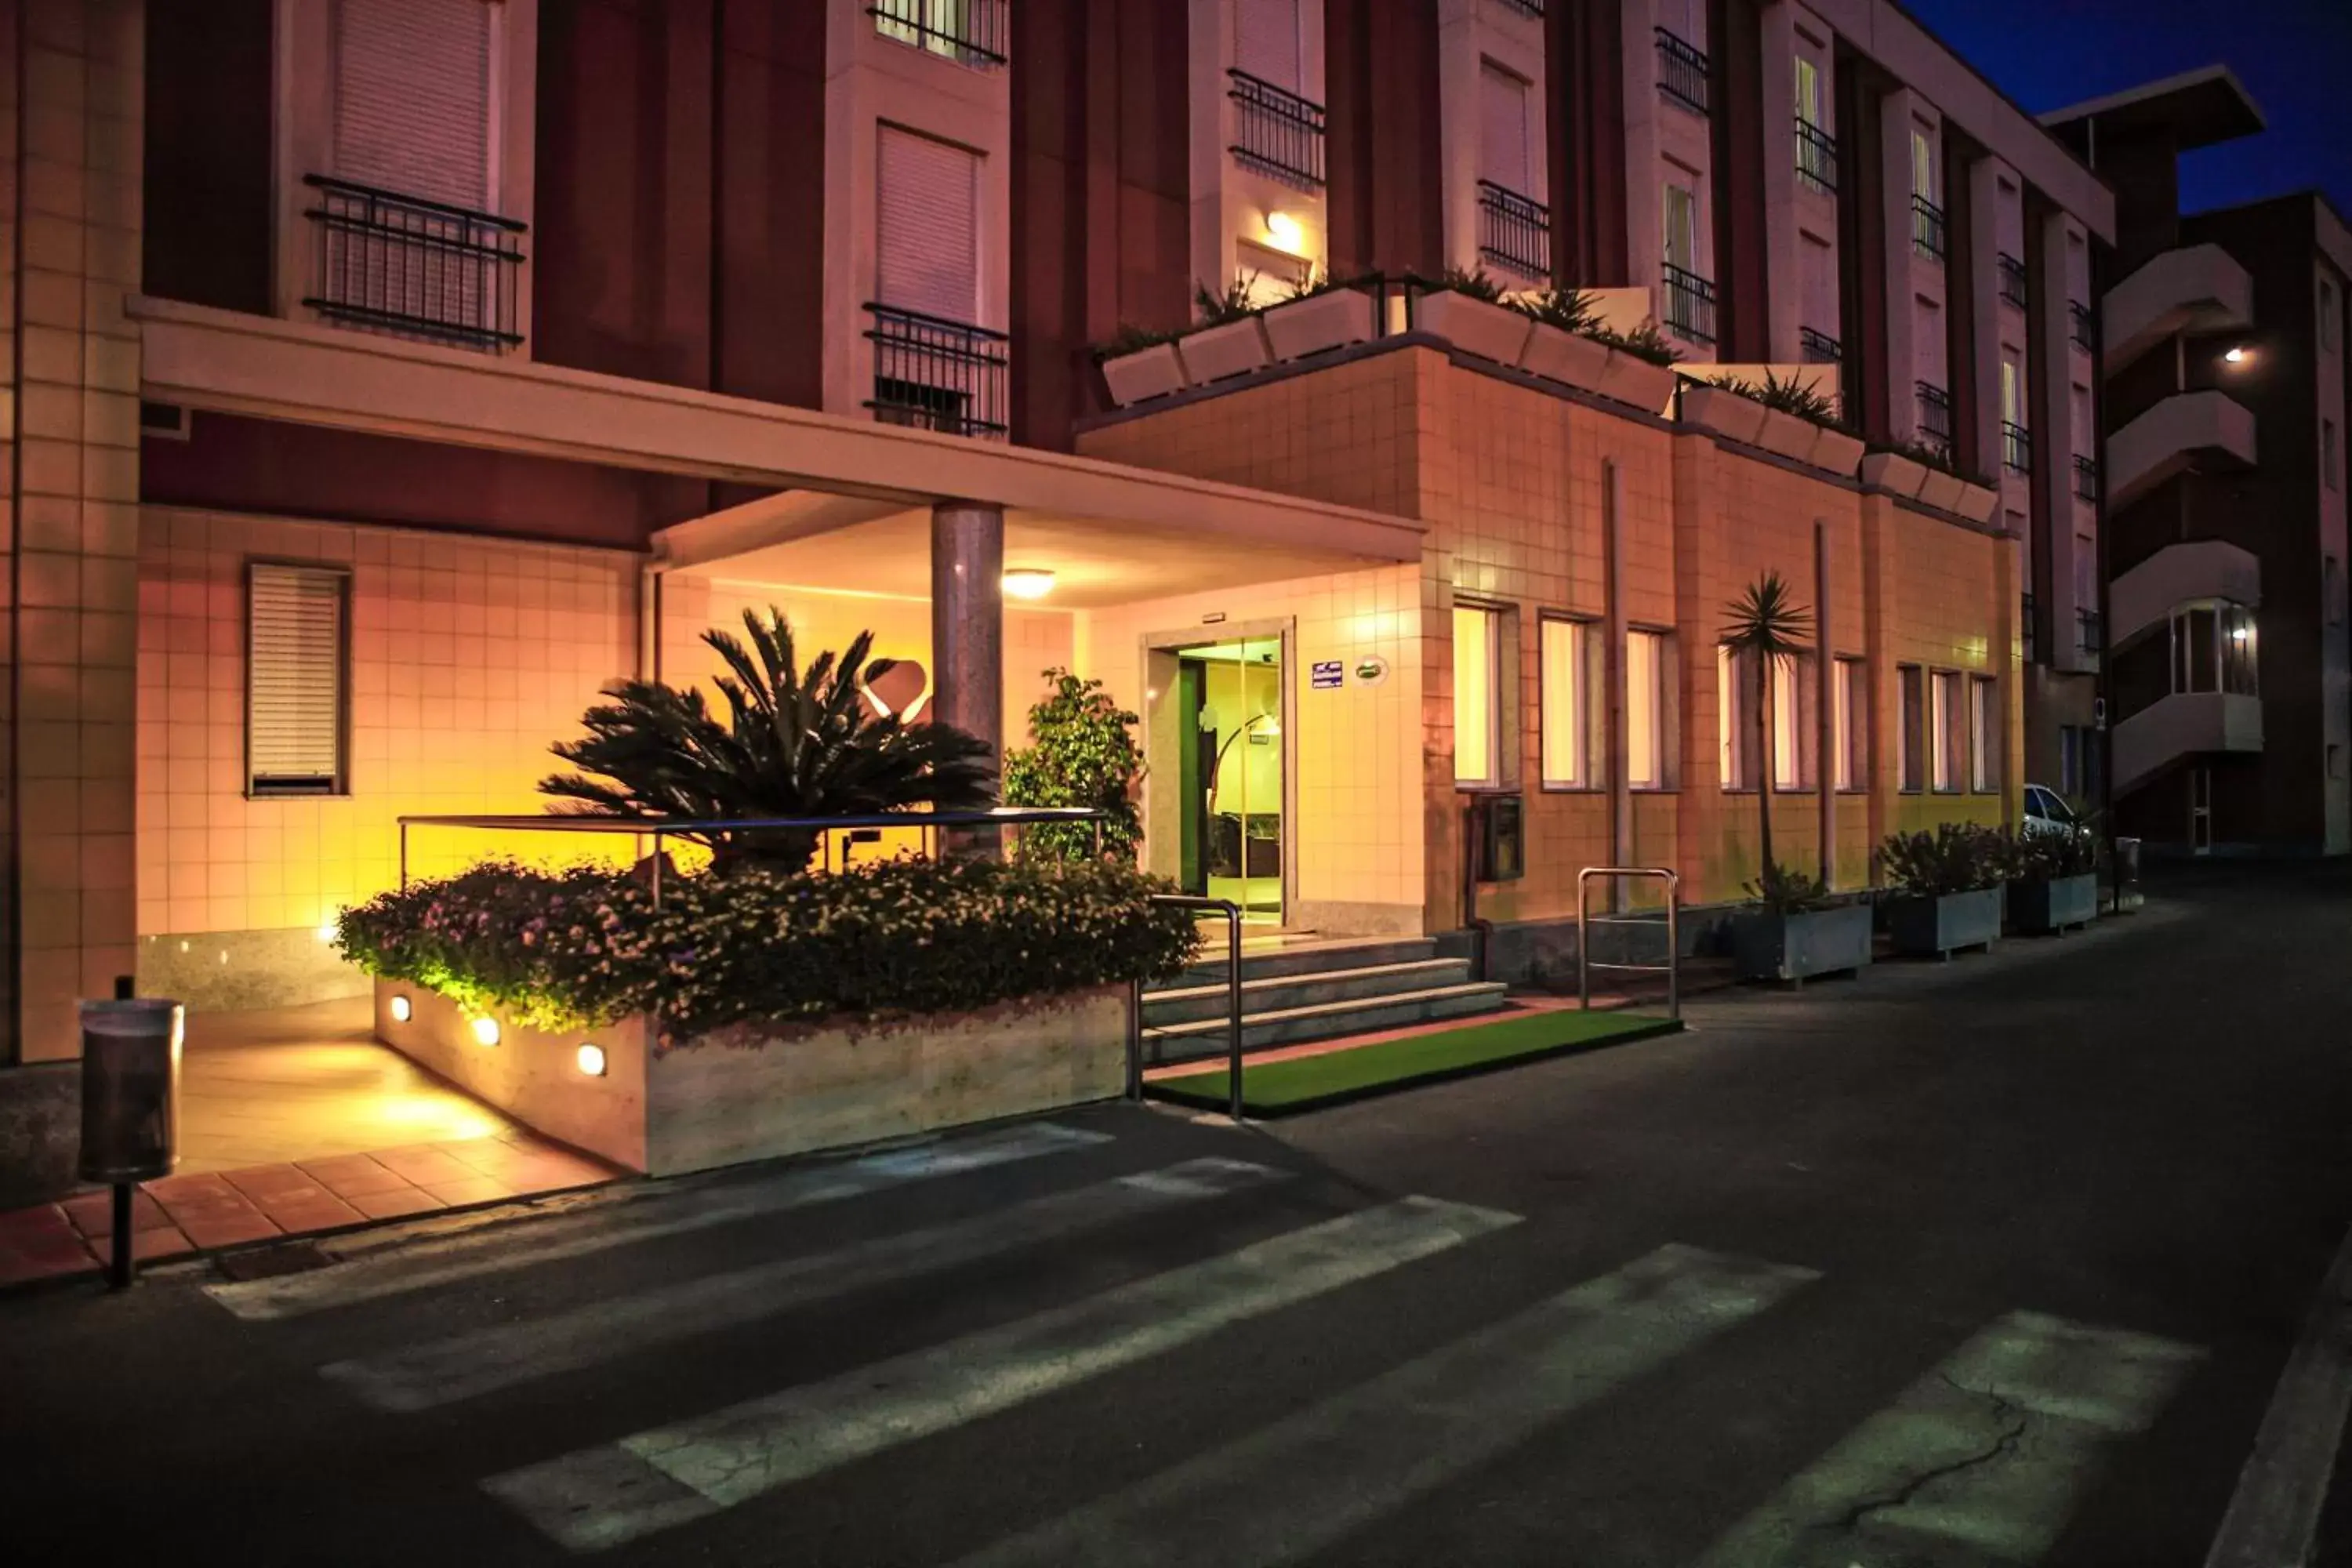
point(2046, 812)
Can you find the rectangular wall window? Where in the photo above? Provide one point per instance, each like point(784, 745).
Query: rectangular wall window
point(1923, 164)
point(1646, 710)
point(1734, 720)
point(297, 652)
point(927, 227)
point(1503, 131)
point(412, 98)
point(1682, 227)
point(1809, 92)
point(1911, 759)
point(1567, 703)
point(1266, 42)
point(1792, 716)
point(1851, 691)
point(1947, 720)
point(1477, 695)
point(1984, 736)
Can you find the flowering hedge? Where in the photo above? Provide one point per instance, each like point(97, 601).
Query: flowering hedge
point(583, 947)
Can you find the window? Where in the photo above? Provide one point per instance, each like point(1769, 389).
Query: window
point(1792, 711)
point(969, 31)
point(1567, 702)
point(1849, 694)
point(1809, 92)
point(1646, 710)
point(1503, 129)
point(1477, 695)
point(1734, 720)
point(927, 239)
point(1682, 227)
point(1908, 760)
point(1923, 164)
point(413, 101)
point(2329, 469)
point(1984, 732)
point(1948, 720)
point(296, 650)
point(1266, 39)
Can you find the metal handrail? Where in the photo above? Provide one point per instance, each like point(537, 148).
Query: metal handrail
point(1232, 913)
point(1585, 920)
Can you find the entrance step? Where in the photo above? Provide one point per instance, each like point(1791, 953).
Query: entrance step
point(1199, 1037)
point(1286, 992)
point(1262, 958)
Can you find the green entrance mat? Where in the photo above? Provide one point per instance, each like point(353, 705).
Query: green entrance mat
point(1305, 1083)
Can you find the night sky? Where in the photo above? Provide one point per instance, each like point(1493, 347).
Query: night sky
point(2294, 57)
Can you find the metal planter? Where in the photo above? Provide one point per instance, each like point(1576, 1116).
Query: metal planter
point(1933, 927)
point(1798, 947)
point(2048, 908)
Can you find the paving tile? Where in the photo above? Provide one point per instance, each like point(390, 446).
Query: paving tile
point(262, 1182)
point(22, 1267)
point(471, 1190)
point(349, 1176)
point(92, 1214)
point(211, 1209)
point(325, 1212)
point(151, 1246)
point(173, 1189)
point(41, 1222)
point(226, 1229)
point(424, 1165)
point(394, 1205)
point(549, 1172)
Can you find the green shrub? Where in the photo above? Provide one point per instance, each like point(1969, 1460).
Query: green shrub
point(1785, 890)
point(1478, 284)
point(2039, 857)
point(1952, 858)
point(1083, 753)
point(1238, 301)
point(894, 937)
point(1790, 396)
point(1645, 341)
point(1132, 339)
point(1569, 310)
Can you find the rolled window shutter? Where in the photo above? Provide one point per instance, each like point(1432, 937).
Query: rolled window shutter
point(294, 700)
point(412, 97)
point(927, 227)
point(1267, 42)
point(1503, 128)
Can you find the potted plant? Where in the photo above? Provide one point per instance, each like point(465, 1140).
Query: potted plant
point(1641, 366)
point(1082, 753)
point(1139, 363)
point(1726, 407)
point(1897, 470)
point(2053, 881)
point(1465, 309)
point(1230, 340)
point(1948, 889)
point(1940, 481)
point(1562, 346)
point(1799, 932)
point(1319, 315)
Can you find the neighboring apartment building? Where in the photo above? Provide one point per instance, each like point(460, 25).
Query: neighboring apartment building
point(392, 373)
point(2224, 356)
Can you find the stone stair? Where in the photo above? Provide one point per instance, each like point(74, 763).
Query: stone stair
point(1303, 991)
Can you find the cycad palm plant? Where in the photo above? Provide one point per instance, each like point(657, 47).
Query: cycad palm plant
point(1763, 626)
point(793, 743)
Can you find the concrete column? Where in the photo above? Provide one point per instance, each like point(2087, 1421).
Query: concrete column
point(1896, 120)
point(1612, 664)
point(968, 618)
point(1825, 674)
point(1983, 286)
point(1782, 243)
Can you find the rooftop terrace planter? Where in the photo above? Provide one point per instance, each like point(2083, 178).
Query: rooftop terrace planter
point(1723, 411)
point(1568, 357)
point(1150, 373)
point(1491, 332)
point(1234, 348)
point(1315, 323)
point(1800, 946)
point(1923, 926)
point(2047, 906)
point(1894, 473)
point(1836, 452)
point(1940, 490)
point(1788, 434)
point(1977, 503)
point(1632, 379)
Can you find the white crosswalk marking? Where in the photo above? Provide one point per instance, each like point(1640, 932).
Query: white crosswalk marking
point(1293, 1490)
point(652, 1480)
point(1979, 1462)
point(477, 1253)
point(465, 1365)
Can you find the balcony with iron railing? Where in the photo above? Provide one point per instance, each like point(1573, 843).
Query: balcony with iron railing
point(412, 267)
point(2079, 328)
point(2016, 447)
point(2090, 631)
point(970, 32)
point(2086, 478)
point(1277, 131)
point(936, 375)
point(1928, 237)
point(2025, 631)
point(1690, 306)
point(2012, 278)
point(1819, 348)
point(1514, 231)
point(1935, 416)
point(1682, 71)
point(1817, 158)
point(1533, 9)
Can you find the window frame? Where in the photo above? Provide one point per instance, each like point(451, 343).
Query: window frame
point(1984, 741)
point(1799, 721)
point(1948, 729)
point(1657, 700)
point(1910, 725)
point(1583, 632)
point(1736, 770)
point(1850, 700)
point(340, 575)
point(1497, 775)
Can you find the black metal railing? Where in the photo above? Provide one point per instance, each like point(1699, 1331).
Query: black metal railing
point(1690, 305)
point(412, 266)
point(937, 374)
point(1927, 228)
point(2090, 631)
point(2078, 323)
point(2086, 478)
point(1819, 348)
point(1277, 131)
point(1682, 71)
point(1817, 157)
point(1514, 231)
point(1935, 416)
point(2016, 447)
point(1534, 9)
point(972, 32)
point(2025, 624)
point(2012, 278)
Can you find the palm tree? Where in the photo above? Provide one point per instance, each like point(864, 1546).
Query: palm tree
point(795, 743)
point(1763, 626)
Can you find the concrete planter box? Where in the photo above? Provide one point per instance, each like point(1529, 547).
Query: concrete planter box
point(2048, 908)
point(1237, 347)
point(1894, 473)
point(1148, 373)
point(1725, 413)
point(1632, 379)
point(1940, 490)
point(1790, 435)
point(1568, 357)
point(1799, 947)
point(1977, 503)
point(759, 1090)
point(1933, 927)
point(1492, 331)
point(1333, 318)
point(1836, 452)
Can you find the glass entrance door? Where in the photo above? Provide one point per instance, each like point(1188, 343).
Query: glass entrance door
point(1230, 774)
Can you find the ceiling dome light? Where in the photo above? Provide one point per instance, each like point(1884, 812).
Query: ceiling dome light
point(1028, 582)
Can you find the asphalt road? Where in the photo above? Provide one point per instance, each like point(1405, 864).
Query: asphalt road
point(1994, 1262)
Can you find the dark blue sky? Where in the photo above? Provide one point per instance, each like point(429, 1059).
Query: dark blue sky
point(2294, 55)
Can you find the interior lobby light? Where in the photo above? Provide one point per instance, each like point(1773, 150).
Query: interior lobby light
point(590, 1057)
point(1028, 582)
point(1286, 231)
point(2239, 355)
point(485, 1031)
point(401, 1009)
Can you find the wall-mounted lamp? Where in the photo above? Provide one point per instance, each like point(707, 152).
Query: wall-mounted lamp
point(1027, 582)
point(590, 1057)
point(485, 1031)
point(2239, 355)
point(402, 1010)
point(1286, 232)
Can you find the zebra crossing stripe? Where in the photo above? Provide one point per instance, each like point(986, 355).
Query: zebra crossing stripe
point(1978, 1461)
point(1296, 1488)
point(430, 1264)
point(465, 1365)
point(655, 1479)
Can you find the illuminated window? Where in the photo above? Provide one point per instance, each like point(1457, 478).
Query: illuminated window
point(1646, 710)
point(1984, 730)
point(1850, 695)
point(1910, 757)
point(1477, 695)
point(1567, 706)
point(296, 653)
point(1734, 720)
point(1946, 719)
point(1792, 714)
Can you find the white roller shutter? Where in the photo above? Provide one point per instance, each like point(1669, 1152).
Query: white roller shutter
point(927, 227)
point(294, 673)
point(1503, 129)
point(1266, 45)
point(412, 97)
